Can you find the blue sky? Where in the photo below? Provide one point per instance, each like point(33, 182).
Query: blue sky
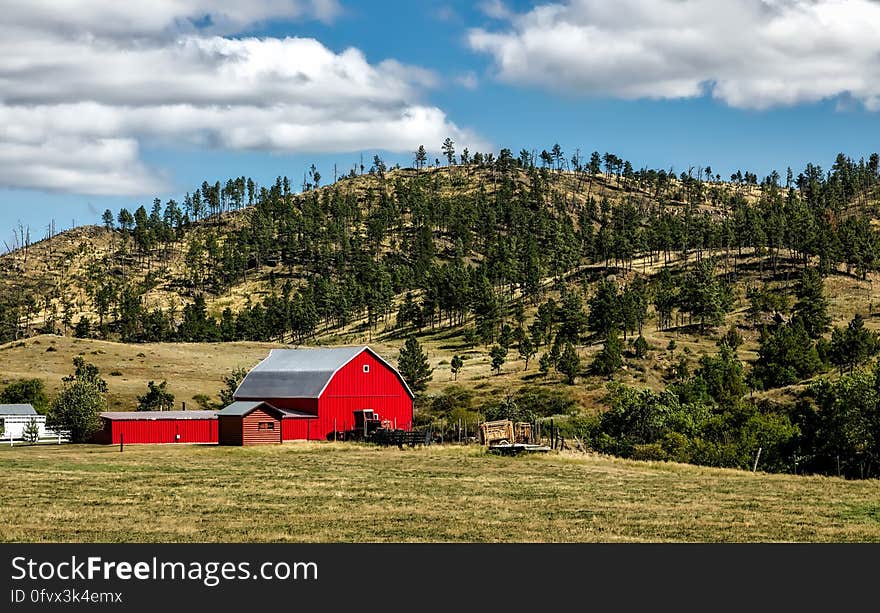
point(517, 75)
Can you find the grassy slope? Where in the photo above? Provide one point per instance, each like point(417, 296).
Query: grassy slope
point(193, 369)
point(63, 261)
point(351, 493)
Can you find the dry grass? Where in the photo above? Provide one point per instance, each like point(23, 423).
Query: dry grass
point(190, 369)
point(325, 492)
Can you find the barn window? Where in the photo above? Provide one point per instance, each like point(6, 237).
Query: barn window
point(366, 368)
point(266, 425)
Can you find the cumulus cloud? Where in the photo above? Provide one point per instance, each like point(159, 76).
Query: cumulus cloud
point(753, 54)
point(79, 99)
point(126, 19)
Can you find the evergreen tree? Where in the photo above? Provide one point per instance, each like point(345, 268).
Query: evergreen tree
point(412, 362)
point(724, 377)
point(703, 296)
point(456, 365)
point(569, 363)
point(448, 149)
point(572, 319)
point(610, 358)
point(83, 328)
point(852, 345)
point(230, 384)
point(498, 355)
point(526, 349)
point(157, 398)
point(786, 355)
point(811, 308)
point(545, 363)
point(31, 431)
point(421, 157)
point(108, 219)
point(604, 308)
point(731, 339)
point(641, 347)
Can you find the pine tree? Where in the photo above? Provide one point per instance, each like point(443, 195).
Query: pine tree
point(448, 149)
point(412, 362)
point(108, 219)
point(31, 431)
point(526, 349)
point(421, 157)
point(231, 383)
point(498, 354)
point(569, 363)
point(641, 347)
point(610, 359)
point(544, 363)
point(456, 365)
point(786, 355)
point(703, 295)
point(157, 398)
point(811, 308)
point(604, 308)
point(852, 345)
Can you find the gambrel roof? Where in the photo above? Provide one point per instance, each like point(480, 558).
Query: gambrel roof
point(301, 373)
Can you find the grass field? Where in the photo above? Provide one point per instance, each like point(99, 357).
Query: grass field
point(325, 492)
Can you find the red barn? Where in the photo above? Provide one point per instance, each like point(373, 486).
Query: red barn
point(320, 389)
point(135, 427)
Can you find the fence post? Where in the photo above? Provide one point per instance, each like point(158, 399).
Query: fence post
point(121, 439)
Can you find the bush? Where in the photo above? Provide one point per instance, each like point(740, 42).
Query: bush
point(205, 403)
point(649, 451)
point(26, 391)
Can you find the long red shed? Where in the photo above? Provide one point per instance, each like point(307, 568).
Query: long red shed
point(139, 427)
point(320, 389)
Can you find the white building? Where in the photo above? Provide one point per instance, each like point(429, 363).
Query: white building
point(14, 418)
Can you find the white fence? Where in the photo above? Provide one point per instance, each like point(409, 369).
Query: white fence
point(14, 428)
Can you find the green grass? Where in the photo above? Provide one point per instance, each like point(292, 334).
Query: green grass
point(324, 492)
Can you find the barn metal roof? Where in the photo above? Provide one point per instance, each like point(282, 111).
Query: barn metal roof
point(17, 409)
point(300, 373)
point(153, 415)
point(241, 408)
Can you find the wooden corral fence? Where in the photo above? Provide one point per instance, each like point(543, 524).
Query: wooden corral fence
point(401, 438)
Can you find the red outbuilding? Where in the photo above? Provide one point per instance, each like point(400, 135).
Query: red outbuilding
point(137, 427)
point(249, 423)
point(319, 390)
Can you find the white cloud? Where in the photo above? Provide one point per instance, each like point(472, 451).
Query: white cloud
point(496, 9)
point(753, 54)
point(468, 80)
point(132, 18)
point(78, 101)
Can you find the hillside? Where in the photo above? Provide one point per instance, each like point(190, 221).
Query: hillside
point(491, 262)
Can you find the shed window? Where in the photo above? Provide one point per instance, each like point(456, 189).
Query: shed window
point(266, 425)
point(366, 368)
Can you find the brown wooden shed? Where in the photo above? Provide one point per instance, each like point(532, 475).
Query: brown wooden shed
point(249, 423)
